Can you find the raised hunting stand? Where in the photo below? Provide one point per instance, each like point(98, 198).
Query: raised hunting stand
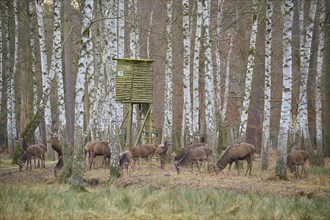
point(134, 87)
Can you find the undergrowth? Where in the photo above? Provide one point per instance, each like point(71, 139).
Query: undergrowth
point(59, 201)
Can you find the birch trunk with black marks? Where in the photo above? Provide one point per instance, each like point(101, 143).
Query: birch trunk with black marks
point(249, 73)
point(168, 113)
point(11, 116)
point(285, 119)
point(265, 143)
point(187, 128)
point(85, 67)
point(197, 55)
point(303, 134)
point(318, 90)
point(209, 81)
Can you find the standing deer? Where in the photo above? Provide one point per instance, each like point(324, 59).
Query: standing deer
point(125, 159)
point(56, 145)
point(295, 159)
point(98, 148)
point(161, 151)
point(143, 151)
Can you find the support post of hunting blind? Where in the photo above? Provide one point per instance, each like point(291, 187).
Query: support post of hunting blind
point(135, 86)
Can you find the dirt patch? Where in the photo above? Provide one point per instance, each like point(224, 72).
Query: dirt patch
point(263, 182)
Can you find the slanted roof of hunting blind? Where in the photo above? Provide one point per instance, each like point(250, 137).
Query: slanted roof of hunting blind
point(135, 85)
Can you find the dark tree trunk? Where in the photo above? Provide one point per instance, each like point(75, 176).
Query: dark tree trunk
point(326, 75)
point(254, 126)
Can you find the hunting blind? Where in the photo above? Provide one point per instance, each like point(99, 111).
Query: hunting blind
point(134, 86)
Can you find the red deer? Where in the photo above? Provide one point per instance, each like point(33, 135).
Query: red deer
point(161, 151)
point(143, 151)
point(56, 145)
point(192, 155)
point(31, 152)
point(98, 148)
point(125, 159)
point(234, 153)
point(295, 159)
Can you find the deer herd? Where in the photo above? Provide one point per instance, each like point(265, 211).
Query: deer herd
point(199, 154)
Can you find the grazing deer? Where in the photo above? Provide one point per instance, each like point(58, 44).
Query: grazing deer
point(234, 153)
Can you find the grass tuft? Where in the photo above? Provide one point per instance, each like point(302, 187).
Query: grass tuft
point(149, 202)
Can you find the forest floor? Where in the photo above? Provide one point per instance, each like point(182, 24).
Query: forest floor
point(261, 182)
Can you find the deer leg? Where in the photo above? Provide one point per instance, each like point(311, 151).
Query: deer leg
point(236, 164)
point(198, 167)
point(295, 171)
point(303, 169)
point(91, 162)
point(249, 165)
point(229, 167)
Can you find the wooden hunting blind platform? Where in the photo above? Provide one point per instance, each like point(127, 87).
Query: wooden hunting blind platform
point(135, 86)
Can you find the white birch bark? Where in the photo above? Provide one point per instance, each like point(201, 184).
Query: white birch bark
point(134, 50)
point(56, 64)
point(114, 124)
point(84, 67)
point(168, 114)
point(218, 62)
point(302, 118)
point(46, 83)
point(111, 51)
point(95, 86)
point(285, 119)
point(186, 73)
point(121, 29)
point(120, 49)
point(11, 117)
point(209, 80)
point(33, 67)
point(318, 83)
point(195, 109)
point(134, 34)
point(249, 73)
point(226, 80)
point(265, 142)
point(149, 29)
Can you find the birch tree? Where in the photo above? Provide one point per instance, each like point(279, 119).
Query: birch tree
point(303, 135)
point(84, 66)
point(318, 82)
point(219, 119)
point(11, 117)
point(187, 127)
point(111, 53)
point(134, 49)
point(285, 119)
point(46, 84)
point(168, 114)
point(265, 142)
point(56, 64)
point(198, 34)
point(121, 29)
point(232, 33)
point(209, 80)
point(249, 73)
point(33, 66)
point(121, 48)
